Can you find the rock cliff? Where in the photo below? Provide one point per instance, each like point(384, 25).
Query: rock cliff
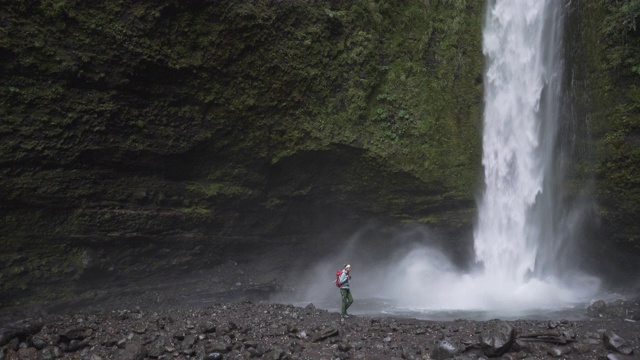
point(164, 136)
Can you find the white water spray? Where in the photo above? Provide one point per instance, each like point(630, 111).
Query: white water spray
point(519, 231)
point(514, 157)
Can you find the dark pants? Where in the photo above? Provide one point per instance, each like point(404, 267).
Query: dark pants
point(347, 300)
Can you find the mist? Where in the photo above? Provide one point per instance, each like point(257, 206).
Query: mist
point(408, 271)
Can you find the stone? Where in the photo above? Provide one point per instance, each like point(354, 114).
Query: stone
point(613, 356)
point(155, 352)
point(583, 347)
point(46, 354)
point(497, 339)
point(27, 353)
point(220, 347)
point(557, 351)
point(276, 354)
point(75, 345)
point(614, 342)
point(445, 349)
point(213, 356)
point(598, 307)
point(38, 342)
point(74, 333)
point(344, 346)
point(57, 352)
point(23, 328)
point(132, 351)
point(189, 341)
point(325, 334)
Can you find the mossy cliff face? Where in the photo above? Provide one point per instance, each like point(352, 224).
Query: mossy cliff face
point(136, 132)
point(604, 57)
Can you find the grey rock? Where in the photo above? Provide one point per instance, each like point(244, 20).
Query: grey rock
point(23, 328)
point(189, 341)
point(592, 341)
point(445, 349)
point(255, 352)
point(405, 353)
point(75, 333)
point(14, 344)
point(220, 347)
point(38, 342)
point(207, 327)
point(75, 345)
point(344, 346)
point(46, 354)
point(613, 356)
point(597, 307)
point(497, 339)
point(27, 353)
point(584, 347)
point(57, 352)
point(156, 350)
point(132, 351)
point(614, 342)
point(325, 334)
point(557, 351)
point(276, 354)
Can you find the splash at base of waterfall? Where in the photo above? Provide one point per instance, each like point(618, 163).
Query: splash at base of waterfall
point(423, 281)
point(415, 279)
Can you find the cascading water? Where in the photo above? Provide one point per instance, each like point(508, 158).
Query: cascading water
point(523, 223)
point(521, 43)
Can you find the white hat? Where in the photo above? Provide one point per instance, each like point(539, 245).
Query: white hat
point(348, 266)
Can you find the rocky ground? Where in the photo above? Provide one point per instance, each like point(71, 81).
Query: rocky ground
point(221, 313)
point(246, 329)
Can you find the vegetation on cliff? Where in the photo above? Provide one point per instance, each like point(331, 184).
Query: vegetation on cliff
point(133, 132)
point(605, 50)
point(153, 122)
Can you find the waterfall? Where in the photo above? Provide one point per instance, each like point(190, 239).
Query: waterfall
point(526, 226)
point(522, 43)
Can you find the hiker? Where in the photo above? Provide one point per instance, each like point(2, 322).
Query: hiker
point(345, 292)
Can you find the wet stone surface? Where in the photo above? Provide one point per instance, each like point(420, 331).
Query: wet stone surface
point(261, 330)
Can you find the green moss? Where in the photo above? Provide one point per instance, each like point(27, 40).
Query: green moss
point(607, 81)
point(213, 189)
point(142, 117)
point(199, 211)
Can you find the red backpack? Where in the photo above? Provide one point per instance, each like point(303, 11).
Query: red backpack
point(338, 274)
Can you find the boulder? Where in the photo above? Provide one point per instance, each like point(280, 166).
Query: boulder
point(20, 328)
point(497, 339)
point(614, 342)
point(597, 308)
point(445, 349)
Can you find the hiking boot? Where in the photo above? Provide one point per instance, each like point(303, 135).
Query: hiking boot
point(346, 316)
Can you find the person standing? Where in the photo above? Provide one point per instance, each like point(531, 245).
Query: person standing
point(345, 291)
